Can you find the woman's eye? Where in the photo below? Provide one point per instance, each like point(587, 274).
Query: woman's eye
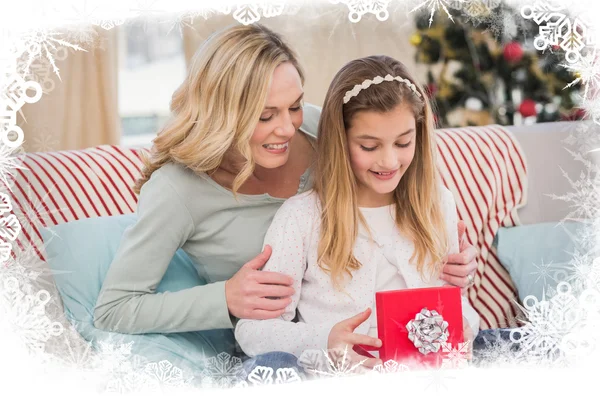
point(294, 109)
point(403, 145)
point(367, 148)
point(266, 119)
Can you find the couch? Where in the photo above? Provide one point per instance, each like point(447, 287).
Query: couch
point(57, 187)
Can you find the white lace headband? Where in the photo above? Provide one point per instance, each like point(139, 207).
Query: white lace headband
point(376, 81)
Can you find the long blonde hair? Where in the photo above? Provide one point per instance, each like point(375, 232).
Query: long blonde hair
point(417, 197)
point(219, 103)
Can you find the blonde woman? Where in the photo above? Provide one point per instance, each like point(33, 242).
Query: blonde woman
point(237, 146)
point(378, 217)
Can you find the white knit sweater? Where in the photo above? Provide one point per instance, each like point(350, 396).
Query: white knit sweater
point(294, 235)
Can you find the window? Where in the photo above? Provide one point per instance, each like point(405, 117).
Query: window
point(151, 67)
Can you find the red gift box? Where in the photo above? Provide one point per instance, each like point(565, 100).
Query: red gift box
point(396, 308)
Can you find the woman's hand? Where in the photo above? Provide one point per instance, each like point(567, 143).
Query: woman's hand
point(255, 294)
point(342, 337)
point(460, 268)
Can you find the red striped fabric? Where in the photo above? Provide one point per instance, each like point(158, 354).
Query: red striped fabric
point(64, 186)
point(485, 170)
point(482, 166)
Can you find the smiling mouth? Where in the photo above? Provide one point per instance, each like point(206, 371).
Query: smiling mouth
point(384, 173)
point(276, 146)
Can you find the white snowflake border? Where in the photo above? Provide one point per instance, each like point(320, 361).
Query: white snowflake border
point(15, 87)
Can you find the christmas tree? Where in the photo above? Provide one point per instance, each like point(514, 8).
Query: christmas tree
point(477, 77)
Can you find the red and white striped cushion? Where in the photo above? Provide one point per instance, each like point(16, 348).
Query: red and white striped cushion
point(63, 186)
point(482, 166)
point(485, 170)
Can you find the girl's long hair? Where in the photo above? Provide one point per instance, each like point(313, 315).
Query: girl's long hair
point(219, 103)
point(417, 198)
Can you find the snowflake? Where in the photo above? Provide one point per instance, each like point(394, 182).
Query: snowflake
point(131, 382)
point(10, 227)
point(438, 378)
point(286, 375)
point(5, 204)
point(358, 8)
point(114, 357)
point(222, 371)
point(584, 136)
point(37, 210)
point(77, 354)
point(587, 68)
point(591, 107)
point(261, 376)
point(29, 270)
point(38, 71)
point(558, 29)
point(501, 22)
point(455, 357)
point(249, 13)
point(584, 273)
point(548, 323)
point(544, 272)
point(83, 35)
point(585, 196)
point(165, 374)
point(99, 15)
point(24, 273)
point(183, 21)
point(14, 93)
point(497, 351)
point(43, 43)
point(132, 373)
point(338, 364)
point(5, 208)
point(27, 314)
point(434, 5)
point(44, 141)
point(475, 9)
point(390, 366)
point(145, 9)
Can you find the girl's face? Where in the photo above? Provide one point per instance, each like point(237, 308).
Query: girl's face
point(382, 146)
point(282, 116)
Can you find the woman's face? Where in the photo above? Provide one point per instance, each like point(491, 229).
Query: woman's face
point(273, 137)
point(381, 146)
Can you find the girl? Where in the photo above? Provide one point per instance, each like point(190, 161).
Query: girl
point(377, 218)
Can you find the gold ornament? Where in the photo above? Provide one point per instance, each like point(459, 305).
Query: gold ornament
point(416, 39)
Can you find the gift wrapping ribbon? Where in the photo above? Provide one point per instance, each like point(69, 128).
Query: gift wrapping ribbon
point(428, 331)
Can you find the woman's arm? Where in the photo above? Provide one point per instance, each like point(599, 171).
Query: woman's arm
point(128, 301)
point(288, 235)
point(451, 219)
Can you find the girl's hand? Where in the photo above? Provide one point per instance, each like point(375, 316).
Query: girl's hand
point(255, 294)
point(460, 268)
point(342, 336)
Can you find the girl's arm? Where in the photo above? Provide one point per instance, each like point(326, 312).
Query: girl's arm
point(289, 236)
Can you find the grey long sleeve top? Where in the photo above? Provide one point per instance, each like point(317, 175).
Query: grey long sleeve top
point(180, 209)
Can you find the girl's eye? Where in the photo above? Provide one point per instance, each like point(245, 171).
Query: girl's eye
point(267, 119)
point(367, 148)
point(403, 145)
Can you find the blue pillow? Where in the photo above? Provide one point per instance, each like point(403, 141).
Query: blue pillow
point(537, 256)
point(80, 253)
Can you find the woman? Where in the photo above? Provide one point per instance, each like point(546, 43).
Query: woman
point(234, 150)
